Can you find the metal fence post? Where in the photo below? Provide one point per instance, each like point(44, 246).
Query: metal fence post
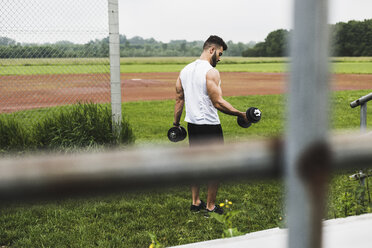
point(363, 117)
point(307, 154)
point(115, 65)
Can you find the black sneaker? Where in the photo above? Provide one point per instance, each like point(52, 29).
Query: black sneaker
point(216, 210)
point(201, 206)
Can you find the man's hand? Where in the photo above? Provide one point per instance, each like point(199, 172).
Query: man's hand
point(244, 116)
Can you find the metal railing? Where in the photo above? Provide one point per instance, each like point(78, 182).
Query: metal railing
point(54, 176)
point(362, 102)
point(305, 157)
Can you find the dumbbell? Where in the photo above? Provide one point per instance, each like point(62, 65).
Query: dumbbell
point(176, 134)
point(253, 116)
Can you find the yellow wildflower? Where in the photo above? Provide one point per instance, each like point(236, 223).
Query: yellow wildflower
point(230, 202)
point(222, 204)
point(152, 245)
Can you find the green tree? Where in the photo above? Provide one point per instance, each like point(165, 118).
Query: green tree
point(353, 38)
point(259, 50)
point(276, 43)
point(5, 41)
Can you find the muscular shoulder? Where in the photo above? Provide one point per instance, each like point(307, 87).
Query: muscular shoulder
point(213, 74)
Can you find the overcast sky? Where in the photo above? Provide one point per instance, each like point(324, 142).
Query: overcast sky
point(236, 20)
point(79, 21)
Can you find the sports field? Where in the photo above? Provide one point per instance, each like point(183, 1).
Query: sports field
point(52, 82)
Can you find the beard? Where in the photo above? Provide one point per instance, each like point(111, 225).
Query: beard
point(214, 59)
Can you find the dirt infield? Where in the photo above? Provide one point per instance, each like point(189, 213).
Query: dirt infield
point(37, 91)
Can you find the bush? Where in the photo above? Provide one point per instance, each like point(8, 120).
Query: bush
point(82, 126)
point(14, 136)
point(78, 126)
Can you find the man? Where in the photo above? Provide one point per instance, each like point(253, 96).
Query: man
point(199, 88)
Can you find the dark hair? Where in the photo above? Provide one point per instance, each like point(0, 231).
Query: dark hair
point(214, 40)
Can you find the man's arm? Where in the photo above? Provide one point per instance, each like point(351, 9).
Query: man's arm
point(215, 94)
point(180, 100)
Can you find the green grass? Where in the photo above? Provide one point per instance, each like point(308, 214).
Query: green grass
point(132, 68)
point(124, 220)
point(272, 106)
point(353, 67)
point(159, 60)
point(172, 64)
point(54, 69)
point(156, 129)
point(140, 60)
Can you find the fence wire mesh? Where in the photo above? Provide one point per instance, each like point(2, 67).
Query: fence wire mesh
point(52, 53)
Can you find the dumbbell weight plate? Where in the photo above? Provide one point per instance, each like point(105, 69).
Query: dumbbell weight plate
point(253, 114)
point(242, 123)
point(174, 134)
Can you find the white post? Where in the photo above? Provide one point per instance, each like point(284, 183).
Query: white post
point(307, 153)
point(115, 65)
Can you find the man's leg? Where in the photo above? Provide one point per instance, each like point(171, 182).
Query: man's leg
point(195, 195)
point(212, 193)
point(217, 135)
point(197, 204)
point(193, 133)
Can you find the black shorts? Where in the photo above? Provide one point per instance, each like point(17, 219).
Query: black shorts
point(204, 133)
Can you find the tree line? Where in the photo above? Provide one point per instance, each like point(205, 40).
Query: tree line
point(350, 39)
point(353, 38)
point(134, 47)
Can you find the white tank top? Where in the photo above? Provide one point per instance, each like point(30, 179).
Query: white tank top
point(199, 107)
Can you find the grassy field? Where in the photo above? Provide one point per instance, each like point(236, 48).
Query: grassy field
point(124, 220)
point(139, 65)
point(353, 67)
point(146, 60)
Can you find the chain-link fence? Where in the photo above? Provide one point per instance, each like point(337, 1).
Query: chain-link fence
point(52, 53)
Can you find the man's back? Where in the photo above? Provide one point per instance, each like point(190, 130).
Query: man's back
point(199, 108)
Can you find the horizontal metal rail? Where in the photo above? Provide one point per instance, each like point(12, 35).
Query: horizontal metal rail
point(361, 100)
point(53, 177)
